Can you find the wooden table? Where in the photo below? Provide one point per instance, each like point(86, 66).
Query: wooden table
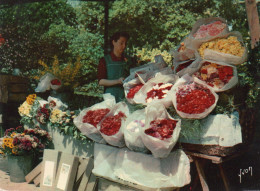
point(200, 160)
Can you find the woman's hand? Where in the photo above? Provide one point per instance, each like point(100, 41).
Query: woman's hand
point(121, 80)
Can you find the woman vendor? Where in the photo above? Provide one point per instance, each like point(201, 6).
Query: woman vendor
point(112, 68)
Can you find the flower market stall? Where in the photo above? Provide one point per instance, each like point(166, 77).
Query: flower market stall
point(168, 113)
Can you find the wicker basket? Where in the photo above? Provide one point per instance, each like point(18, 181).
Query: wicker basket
point(247, 122)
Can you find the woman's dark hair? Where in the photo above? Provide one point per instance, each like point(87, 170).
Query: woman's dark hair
point(117, 36)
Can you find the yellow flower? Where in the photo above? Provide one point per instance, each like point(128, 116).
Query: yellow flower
point(230, 45)
point(24, 109)
point(31, 98)
point(15, 150)
point(13, 134)
point(11, 145)
point(56, 116)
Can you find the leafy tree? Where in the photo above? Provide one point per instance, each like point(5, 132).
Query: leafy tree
point(23, 25)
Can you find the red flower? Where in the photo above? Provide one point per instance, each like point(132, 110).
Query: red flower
point(52, 104)
point(15, 141)
point(211, 29)
point(194, 99)
point(2, 40)
point(94, 117)
point(225, 73)
point(184, 65)
point(161, 128)
point(56, 82)
point(157, 93)
point(111, 125)
point(220, 76)
point(134, 90)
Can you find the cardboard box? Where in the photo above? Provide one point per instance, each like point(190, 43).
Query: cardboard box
point(92, 183)
point(67, 172)
point(86, 176)
point(34, 173)
point(37, 180)
point(50, 164)
point(83, 163)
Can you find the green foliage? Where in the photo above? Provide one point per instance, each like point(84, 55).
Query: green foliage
point(41, 30)
point(23, 25)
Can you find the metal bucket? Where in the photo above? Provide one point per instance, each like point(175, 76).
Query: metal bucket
point(19, 167)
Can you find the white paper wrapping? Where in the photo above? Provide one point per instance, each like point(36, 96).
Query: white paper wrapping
point(232, 82)
point(219, 130)
point(133, 139)
point(118, 138)
point(151, 173)
point(186, 79)
point(88, 129)
point(141, 95)
point(159, 148)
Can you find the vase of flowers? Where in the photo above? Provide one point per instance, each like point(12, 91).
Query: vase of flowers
point(21, 146)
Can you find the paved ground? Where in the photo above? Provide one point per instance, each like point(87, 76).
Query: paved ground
point(6, 184)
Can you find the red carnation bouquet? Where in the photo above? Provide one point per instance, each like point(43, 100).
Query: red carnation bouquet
point(156, 90)
point(133, 91)
point(161, 128)
point(186, 67)
point(131, 88)
point(111, 126)
point(89, 118)
point(220, 76)
point(161, 131)
point(93, 117)
point(193, 98)
point(212, 29)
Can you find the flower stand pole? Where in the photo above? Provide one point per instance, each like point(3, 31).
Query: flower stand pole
point(19, 167)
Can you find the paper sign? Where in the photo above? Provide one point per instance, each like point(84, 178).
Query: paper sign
point(63, 177)
point(48, 173)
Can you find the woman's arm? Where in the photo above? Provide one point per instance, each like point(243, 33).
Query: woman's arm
point(106, 82)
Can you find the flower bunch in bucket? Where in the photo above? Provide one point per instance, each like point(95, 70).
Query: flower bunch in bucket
point(18, 141)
